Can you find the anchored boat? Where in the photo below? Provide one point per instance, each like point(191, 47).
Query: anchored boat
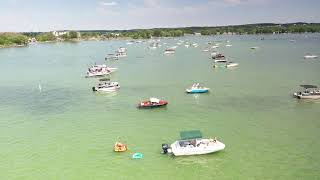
point(99, 70)
point(192, 143)
point(152, 103)
point(310, 56)
point(231, 64)
point(169, 51)
point(197, 88)
point(218, 56)
point(310, 92)
point(106, 87)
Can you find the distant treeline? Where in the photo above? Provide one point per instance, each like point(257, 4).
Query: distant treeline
point(12, 39)
point(8, 39)
point(266, 28)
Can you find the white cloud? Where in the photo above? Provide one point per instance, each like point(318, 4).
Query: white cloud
point(113, 3)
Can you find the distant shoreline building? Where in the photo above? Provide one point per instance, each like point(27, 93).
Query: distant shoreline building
point(59, 33)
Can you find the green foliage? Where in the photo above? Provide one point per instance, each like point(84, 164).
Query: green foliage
point(7, 39)
point(48, 36)
point(73, 34)
point(265, 28)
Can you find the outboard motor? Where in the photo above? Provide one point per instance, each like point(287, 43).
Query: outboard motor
point(94, 89)
point(165, 148)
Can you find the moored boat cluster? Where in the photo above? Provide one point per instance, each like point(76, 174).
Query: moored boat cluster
point(187, 145)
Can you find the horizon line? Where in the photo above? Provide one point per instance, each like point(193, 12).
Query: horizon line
point(173, 27)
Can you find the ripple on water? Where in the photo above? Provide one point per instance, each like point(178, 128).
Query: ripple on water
point(51, 101)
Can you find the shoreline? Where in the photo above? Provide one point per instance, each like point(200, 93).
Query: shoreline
point(132, 39)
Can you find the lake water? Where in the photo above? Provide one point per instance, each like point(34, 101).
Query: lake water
point(67, 132)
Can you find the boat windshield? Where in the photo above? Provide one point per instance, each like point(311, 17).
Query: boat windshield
point(187, 135)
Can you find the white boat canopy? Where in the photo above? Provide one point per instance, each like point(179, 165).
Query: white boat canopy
point(154, 100)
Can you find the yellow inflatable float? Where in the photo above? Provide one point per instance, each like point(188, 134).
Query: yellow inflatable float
point(119, 147)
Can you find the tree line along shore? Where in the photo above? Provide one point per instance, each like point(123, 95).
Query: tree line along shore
point(24, 38)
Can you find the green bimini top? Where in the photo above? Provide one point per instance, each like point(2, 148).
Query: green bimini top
point(194, 134)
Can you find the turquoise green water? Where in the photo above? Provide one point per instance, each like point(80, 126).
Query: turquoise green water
point(67, 131)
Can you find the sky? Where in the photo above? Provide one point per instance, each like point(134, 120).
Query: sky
point(45, 15)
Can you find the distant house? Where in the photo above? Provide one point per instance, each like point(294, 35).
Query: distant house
point(197, 34)
point(59, 33)
point(32, 40)
point(115, 34)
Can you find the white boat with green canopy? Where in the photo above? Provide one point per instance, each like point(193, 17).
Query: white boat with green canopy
point(192, 143)
point(309, 92)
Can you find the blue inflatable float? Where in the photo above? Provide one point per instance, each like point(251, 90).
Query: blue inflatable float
point(137, 156)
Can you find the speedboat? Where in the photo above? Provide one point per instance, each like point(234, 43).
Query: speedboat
point(310, 56)
point(101, 66)
point(196, 88)
point(169, 51)
point(228, 45)
point(97, 70)
point(152, 103)
point(254, 47)
point(121, 54)
point(106, 87)
point(192, 143)
point(218, 56)
point(112, 57)
point(310, 92)
point(231, 64)
point(121, 50)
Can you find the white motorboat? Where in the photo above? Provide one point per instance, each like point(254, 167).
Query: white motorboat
point(310, 56)
point(121, 55)
point(231, 64)
point(106, 87)
point(187, 45)
point(205, 50)
point(98, 71)
point(169, 51)
point(215, 47)
point(192, 143)
point(97, 67)
point(197, 88)
point(309, 92)
point(173, 47)
point(112, 57)
point(218, 56)
point(121, 52)
point(228, 45)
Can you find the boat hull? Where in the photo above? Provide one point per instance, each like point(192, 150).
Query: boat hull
point(145, 105)
point(232, 65)
point(197, 91)
point(299, 96)
point(113, 89)
point(188, 151)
